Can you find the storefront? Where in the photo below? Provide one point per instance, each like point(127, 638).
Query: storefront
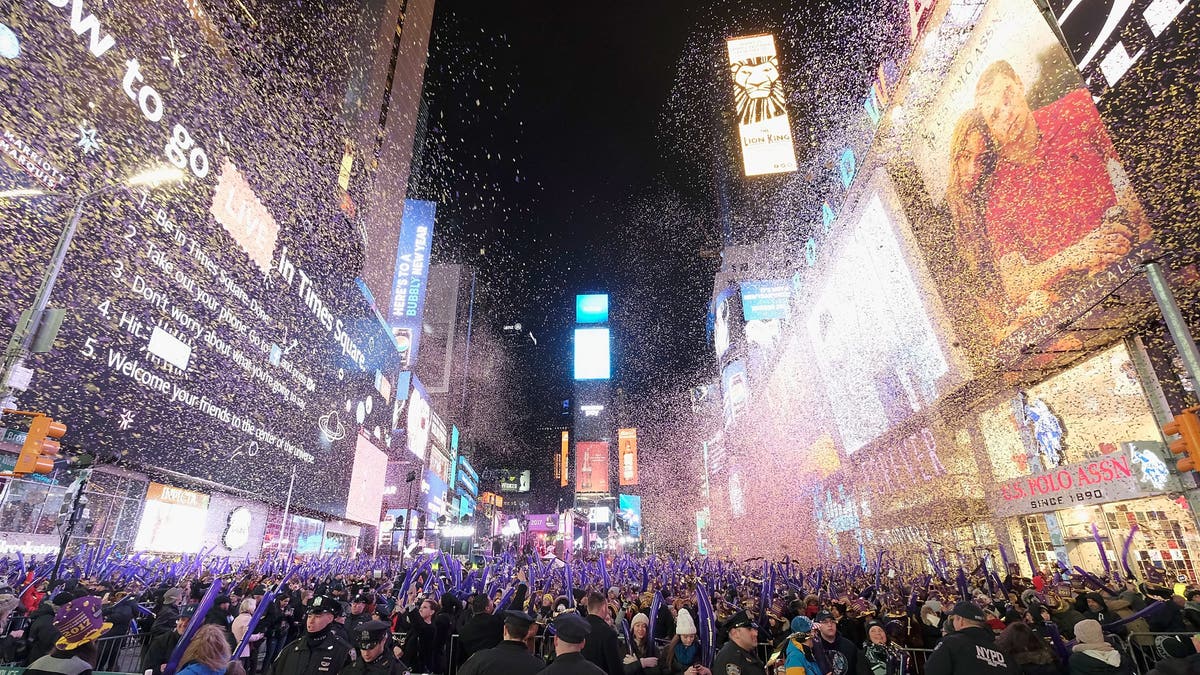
point(1083, 449)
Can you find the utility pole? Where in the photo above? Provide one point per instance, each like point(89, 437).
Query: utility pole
point(78, 503)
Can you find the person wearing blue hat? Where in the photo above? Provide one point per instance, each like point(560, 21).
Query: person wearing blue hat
point(796, 653)
point(738, 655)
point(162, 645)
point(512, 654)
point(570, 635)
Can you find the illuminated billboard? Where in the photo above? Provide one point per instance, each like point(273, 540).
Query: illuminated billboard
point(761, 104)
point(172, 519)
point(412, 277)
point(591, 467)
point(1043, 219)
point(627, 457)
point(630, 507)
point(765, 300)
point(875, 346)
point(367, 479)
point(419, 420)
point(215, 320)
point(591, 308)
point(593, 358)
point(564, 450)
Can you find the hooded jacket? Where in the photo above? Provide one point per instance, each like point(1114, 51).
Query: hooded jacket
point(970, 651)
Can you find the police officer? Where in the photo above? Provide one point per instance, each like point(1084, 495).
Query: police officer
point(570, 634)
point(358, 614)
point(738, 657)
point(511, 655)
point(320, 651)
point(971, 649)
point(374, 656)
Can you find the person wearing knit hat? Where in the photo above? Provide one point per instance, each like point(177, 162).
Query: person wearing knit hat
point(641, 656)
point(80, 623)
point(796, 653)
point(682, 653)
point(1093, 655)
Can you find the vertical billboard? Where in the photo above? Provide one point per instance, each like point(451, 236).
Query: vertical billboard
point(763, 126)
point(591, 467)
point(877, 350)
point(630, 507)
point(412, 276)
point(419, 420)
point(627, 457)
point(563, 453)
point(593, 357)
point(367, 478)
point(1043, 221)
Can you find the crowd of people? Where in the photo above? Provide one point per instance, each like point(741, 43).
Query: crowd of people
point(629, 616)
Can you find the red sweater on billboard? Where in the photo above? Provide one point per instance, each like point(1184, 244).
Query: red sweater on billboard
point(1039, 209)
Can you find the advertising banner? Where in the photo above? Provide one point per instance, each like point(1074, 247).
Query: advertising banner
point(735, 392)
point(1136, 470)
point(418, 421)
point(593, 358)
point(564, 453)
point(877, 351)
point(514, 480)
point(1044, 223)
point(591, 308)
point(591, 467)
point(412, 276)
point(172, 520)
point(726, 328)
point(630, 507)
point(763, 126)
point(434, 490)
point(627, 457)
point(765, 300)
point(468, 479)
point(543, 522)
point(367, 479)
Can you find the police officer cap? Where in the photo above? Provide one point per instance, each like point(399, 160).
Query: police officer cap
point(323, 603)
point(739, 620)
point(370, 634)
point(187, 612)
point(518, 621)
point(571, 628)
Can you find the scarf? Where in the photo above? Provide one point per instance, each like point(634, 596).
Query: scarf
point(686, 656)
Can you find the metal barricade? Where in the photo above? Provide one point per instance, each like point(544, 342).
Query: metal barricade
point(1146, 650)
point(123, 653)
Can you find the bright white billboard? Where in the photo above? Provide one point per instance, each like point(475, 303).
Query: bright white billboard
point(763, 125)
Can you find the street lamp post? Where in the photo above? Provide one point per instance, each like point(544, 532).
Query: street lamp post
point(22, 337)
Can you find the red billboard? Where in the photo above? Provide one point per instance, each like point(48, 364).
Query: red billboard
point(591, 467)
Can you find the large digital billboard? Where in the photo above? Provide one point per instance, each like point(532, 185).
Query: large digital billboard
point(412, 276)
point(593, 356)
point(627, 457)
point(591, 467)
point(630, 507)
point(763, 126)
point(172, 519)
point(877, 351)
point(591, 308)
point(1043, 220)
point(216, 328)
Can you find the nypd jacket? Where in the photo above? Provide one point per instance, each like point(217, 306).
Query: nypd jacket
point(325, 653)
point(971, 651)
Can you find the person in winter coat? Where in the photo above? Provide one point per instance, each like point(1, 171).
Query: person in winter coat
point(207, 653)
point(162, 646)
point(796, 652)
point(880, 655)
point(120, 615)
point(681, 656)
point(42, 634)
point(420, 643)
point(835, 654)
point(164, 619)
point(1064, 615)
point(971, 649)
point(240, 626)
point(1093, 655)
point(10, 641)
point(641, 658)
point(218, 614)
point(1032, 653)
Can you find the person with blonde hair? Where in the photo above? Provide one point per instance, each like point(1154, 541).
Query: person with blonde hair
point(207, 653)
point(240, 626)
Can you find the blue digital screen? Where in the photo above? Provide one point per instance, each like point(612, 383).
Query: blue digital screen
point(591, 308)
point(593, 361)
point(765, 300)
point(631, 509)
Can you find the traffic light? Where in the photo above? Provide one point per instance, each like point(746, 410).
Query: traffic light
point(41, 446)
point(1187, 425)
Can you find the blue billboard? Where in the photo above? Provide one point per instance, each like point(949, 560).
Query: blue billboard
point(591, 308)
point(412, 275)
point(630, 507)
point(765, 300)
point(468, 480)
point(593, 359)
point(434, 490)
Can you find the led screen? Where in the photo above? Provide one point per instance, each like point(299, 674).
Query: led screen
point(591, 308)
point(411, 279)
point(593, 360)
point(591, 467)
point(875, 346)
point(631, 510)
point(765, 300)
point(171, 520)
point(761, 106)
point(367, 480)
point(216, 328)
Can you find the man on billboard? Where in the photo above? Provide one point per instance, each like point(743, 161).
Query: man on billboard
point(1041, 193)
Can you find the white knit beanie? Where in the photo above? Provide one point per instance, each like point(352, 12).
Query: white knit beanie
point(684, 625)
